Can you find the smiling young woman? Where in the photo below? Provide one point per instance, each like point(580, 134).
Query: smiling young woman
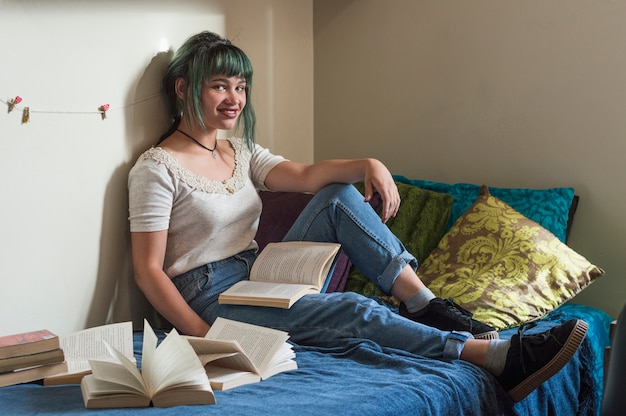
point(194, 212)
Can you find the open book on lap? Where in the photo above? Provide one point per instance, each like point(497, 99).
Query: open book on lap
point(283, 273)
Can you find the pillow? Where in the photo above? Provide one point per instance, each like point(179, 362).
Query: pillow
point(280, 211)
point(504, 267)
point(420, 223)
point(548, 207)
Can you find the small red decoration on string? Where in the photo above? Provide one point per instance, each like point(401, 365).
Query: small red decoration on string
point(103, 110)
point(13, 102)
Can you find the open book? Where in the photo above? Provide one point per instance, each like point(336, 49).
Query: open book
point(85, 345)
point(171, 375)
point(235, 353)
point(283, 273)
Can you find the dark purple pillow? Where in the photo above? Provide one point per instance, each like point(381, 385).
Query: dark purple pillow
point(280, 211)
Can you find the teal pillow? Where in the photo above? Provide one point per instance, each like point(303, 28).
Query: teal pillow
point(548, 207)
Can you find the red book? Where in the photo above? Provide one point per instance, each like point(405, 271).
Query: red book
point(28, 343)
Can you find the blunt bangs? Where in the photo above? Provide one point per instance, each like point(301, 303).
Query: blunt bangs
point(225, 60)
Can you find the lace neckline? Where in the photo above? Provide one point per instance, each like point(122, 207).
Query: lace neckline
point(227, 186)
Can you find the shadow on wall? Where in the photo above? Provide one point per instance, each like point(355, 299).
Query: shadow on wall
point(116, 296)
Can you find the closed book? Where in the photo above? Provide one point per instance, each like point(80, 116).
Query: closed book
point(31, 374)
point(31, 360)
point(28, 343)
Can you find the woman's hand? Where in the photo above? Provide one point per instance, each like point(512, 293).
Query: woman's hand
point(378, 179)
point(291, 176)
point(148, 252)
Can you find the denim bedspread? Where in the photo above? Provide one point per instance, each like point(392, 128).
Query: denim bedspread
point(361, 378)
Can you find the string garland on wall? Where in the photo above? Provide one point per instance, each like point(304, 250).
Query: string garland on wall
point(102, 110)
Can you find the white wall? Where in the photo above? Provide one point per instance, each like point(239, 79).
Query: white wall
point(505, 93)
point(64, 255)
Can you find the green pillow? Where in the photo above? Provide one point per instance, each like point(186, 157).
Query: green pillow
point(420, 223)
point(503, 267)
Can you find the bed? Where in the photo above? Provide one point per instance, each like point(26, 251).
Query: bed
point(361, 378)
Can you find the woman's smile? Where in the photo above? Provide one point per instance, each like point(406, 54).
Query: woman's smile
point(229, 112)
point(227, 97)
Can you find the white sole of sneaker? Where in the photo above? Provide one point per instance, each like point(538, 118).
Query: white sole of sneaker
point(488, 335)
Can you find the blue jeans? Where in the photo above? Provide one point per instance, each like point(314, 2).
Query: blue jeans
point(335, 214)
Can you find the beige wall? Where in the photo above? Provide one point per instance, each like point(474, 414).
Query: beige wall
point(64, 255)
point(483, 91)
point(518, 94)
point(278, 37)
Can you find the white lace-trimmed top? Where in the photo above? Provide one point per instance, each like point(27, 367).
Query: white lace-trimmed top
point(207, 220)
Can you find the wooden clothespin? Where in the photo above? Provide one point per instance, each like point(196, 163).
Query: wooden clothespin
point(25, 115)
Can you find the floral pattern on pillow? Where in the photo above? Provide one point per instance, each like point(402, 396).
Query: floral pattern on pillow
point(504, 267)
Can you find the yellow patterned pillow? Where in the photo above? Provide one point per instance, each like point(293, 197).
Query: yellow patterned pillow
point(504, 267)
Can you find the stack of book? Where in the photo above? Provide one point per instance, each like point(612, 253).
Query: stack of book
point(30, 356)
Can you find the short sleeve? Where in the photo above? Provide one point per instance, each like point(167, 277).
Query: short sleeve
point(150, 197)
point(261, 164)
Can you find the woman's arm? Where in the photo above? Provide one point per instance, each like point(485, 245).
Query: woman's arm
point(148, 251)
point(291, 176)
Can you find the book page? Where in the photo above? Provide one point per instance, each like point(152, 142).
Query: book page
point(148, 352)
point(284, 353)
point(259, 343)
point(87, 344)
point(228, 353)
point(225, 378)
point(207, 358)
point(117, 373)
point(103, 394)
point(172, 363)
point(255, 289)
point(295, 262)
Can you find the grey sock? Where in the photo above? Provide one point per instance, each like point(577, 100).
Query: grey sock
point(496, 356)
point(419, 300)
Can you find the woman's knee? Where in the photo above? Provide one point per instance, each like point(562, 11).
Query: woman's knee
point(339, 192)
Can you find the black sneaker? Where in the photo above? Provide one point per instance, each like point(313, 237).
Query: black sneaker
point(446, 315)
point(534, 358)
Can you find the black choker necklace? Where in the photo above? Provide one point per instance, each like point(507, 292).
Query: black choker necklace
point(200, 144)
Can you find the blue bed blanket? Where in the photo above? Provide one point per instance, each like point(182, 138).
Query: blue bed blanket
point(361, 378)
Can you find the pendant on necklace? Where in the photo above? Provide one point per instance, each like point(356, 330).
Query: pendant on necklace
point(200, 144)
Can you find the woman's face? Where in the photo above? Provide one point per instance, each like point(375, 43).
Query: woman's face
point(223, 99)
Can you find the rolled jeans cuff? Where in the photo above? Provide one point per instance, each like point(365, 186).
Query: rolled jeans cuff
point(390, 274)
point(454, 344)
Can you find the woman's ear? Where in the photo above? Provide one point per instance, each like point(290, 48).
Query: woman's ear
point(181, 88)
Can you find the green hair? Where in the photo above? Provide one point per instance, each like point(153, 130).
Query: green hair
point(201, 57)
